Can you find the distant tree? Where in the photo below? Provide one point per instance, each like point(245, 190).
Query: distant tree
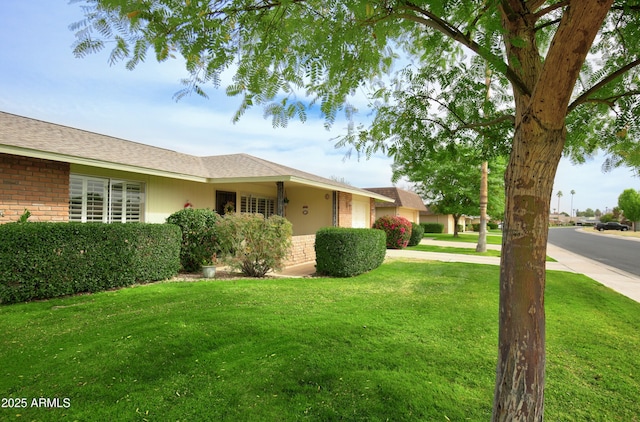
point(588, 213)
point(559, 195)
point(605, 218)
point(629, 202)
point(449, 179)
point(617, 213)
point(573, 192)
point(598, 213)
point(340, 180)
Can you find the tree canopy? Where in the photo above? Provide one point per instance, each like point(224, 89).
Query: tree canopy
point(629, 202)
point(291, 54)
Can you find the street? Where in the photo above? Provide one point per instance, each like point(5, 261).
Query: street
point(617, 252)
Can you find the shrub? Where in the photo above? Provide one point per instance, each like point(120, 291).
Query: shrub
point(254, 244)
point(606, 218)
point(345, 252)
point(492, 226)
point(417, 233)
point(398, 230)
point(45, 260)
point(199, 240)
point(432, 227)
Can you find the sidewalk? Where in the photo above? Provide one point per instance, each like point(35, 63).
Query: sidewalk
point(620, 281)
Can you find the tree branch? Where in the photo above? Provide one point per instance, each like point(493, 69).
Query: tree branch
point(539, 14)
point(584, 97)
point(500, 119)
point(434, 22)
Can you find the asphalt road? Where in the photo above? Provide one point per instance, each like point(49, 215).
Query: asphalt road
point(616, 252)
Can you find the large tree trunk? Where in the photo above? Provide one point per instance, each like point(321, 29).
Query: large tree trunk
point(541, 108)
point(521, 346)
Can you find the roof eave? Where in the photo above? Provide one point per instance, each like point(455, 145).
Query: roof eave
point(301, 181)
point(347, 189)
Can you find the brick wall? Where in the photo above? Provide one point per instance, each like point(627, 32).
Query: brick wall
point(372, 213)
point(41, 186)
point(302, 250)
point(344, 209)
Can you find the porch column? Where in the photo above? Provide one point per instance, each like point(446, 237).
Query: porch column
point(280, 199)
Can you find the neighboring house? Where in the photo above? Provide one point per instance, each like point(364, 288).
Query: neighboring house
point(560, 219)
point(465, 222)
point(446, 220)
point(64, 174)
point(405, 203)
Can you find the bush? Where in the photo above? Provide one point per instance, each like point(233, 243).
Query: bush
point(606, 218)
point(417, 233)
point(432, 227)
point(398, 230)
point(45, 260)
point(345, 252)
point(199, 239)
point(254, 244)
point(492, 226)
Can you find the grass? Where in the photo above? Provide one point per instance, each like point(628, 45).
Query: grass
point(628, 233)
point(407, 341)
point(493, 238)
point(450, 249)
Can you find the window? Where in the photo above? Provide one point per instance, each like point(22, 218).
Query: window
point(105, 200)
point(254, 204)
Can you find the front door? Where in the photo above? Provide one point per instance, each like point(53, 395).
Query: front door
point(225, 202)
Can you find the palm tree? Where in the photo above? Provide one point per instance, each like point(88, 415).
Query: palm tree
point(559, 195)
point(573, 192)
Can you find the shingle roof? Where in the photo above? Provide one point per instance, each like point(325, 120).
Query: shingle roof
point(401, 197)
point(32, 134)
point(26, 136)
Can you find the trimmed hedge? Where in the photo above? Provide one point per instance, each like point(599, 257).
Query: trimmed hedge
point(199, 237)
point(417, 233)
point(46, 260)
point(432, 227)
point(346, 252)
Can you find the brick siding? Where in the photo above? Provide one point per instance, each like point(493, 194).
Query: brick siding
point(302, 250)
point(345, 218)
point(372, 212)
point(40, 186)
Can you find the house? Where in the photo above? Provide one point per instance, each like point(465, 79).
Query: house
point(405, 203)
point(65, 174)
point(446, 220)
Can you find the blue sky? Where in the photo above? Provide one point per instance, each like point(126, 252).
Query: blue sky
point(40, 78)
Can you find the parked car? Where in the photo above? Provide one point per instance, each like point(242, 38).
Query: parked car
point(611, 225)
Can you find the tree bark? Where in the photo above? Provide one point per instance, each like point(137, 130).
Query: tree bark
point(456, 220)
point(484, 199)
point(538, 142)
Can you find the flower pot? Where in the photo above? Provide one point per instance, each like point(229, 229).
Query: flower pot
point(209, 271)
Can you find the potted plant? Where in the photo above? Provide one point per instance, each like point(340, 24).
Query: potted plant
point(209, 266)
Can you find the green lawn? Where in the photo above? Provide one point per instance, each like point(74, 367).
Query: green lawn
point(493, 238)
point(408, 341)
point(461, 251)
point(450, 249)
